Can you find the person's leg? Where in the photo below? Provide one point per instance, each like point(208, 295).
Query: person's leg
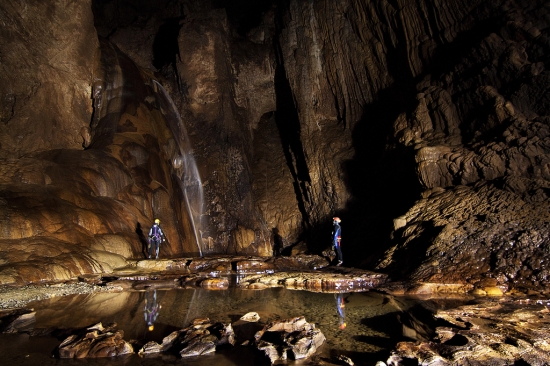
point(339, 255)
point(157, 249)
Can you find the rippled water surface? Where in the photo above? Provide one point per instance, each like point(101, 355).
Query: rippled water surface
point(374, 323)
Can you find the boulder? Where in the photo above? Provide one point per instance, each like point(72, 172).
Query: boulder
point(95, 342)
point(505, 333)
point(199, 338)
point(295, 336)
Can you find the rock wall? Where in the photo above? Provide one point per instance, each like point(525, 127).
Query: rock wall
point(421, 119)
point(48, 50)
point(70, 208)
point(481, 146)
point(227, 85)
point(351, 68)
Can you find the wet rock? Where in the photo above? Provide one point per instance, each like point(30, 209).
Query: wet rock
point(251, 317)
point(347, 280)
point(215, 283)
point(254, 266)
point(329, 254)
point(121, 284)
point(95, 342)
point(199, 338)
point(91, 279)
point(19, 297)
point(452, 223)
point(504, 333)
point(14, 321)
point(199, 346)
point(211, 265)
point(161, 283)
point(150, 348)
point(299, 262)
point(163, 264)
point(344, 360)
point(295, 335)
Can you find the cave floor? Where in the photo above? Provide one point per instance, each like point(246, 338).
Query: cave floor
point(381, 326)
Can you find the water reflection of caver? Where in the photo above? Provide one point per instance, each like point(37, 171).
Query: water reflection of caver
point(336, 239)
point(151, 309)
point(340, 307)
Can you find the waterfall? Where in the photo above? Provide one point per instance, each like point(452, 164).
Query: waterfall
point(190, 181)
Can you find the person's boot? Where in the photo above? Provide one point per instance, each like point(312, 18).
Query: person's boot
point(339, 263)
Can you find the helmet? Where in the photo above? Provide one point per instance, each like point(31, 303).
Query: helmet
point(343, 326)
point(157, 221)
point(337, 219)
point(151, 327)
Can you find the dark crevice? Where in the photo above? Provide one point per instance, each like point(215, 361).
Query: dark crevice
point(288, 124)
point(244, 15)
point(165, 45)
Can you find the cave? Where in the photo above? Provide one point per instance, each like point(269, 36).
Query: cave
point(246, 126)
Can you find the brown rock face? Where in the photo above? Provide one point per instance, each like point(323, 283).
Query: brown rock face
point(295, 112)
point(485, 333)
point(481, 146)
point(68, 211)
point(48, 50)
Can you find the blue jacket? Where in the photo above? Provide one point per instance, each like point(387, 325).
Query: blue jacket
point(156, 233)
point(337, 234)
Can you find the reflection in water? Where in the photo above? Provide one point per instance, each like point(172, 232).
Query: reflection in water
point(340, 307)
point(371, 326)
point(151, 309)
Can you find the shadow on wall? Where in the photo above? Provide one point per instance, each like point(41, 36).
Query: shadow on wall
point(142, 239)
point(381, 179)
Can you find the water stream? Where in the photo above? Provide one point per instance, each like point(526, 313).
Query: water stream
point(190, 181)
point(374, 323)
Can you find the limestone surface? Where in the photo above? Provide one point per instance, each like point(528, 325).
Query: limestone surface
point(486, 334)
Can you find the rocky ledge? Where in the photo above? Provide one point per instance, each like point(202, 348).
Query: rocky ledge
point(488, 333)
point(307, 272)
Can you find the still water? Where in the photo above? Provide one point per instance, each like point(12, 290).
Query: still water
point(363, 326)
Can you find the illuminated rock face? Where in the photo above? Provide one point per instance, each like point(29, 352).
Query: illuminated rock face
point(481, 142)
point(48, 51)
point(429, 116)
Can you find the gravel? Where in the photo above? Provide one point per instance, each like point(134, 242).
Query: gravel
point(19, 297)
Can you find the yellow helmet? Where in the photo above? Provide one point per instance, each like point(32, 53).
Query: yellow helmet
point(151, 327)
point(157, 221)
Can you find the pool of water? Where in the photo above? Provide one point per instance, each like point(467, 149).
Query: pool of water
point(374, 323)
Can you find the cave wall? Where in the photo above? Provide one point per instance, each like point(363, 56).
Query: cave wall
point(86, 164)
point(481, 146)
point(422, 124)
point(352, 68)
point(48, 50)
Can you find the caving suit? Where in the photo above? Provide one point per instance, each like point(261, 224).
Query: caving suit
point(337, 237)
point(155, 237)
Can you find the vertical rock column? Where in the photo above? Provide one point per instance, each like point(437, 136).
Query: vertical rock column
point(226, 84)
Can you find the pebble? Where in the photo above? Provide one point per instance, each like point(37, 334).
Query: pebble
point(19, 297)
